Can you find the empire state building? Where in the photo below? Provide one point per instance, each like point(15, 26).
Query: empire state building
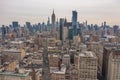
point(53, 27)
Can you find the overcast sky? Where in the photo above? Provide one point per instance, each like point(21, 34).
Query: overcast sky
point(34, 11)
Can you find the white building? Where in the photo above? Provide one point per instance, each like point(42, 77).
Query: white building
point(57, 74)
point(66, 59)
point(87, 66)
point(114, 66)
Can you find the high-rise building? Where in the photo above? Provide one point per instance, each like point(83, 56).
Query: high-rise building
point(70, 34)
point(114, 65)
point(87, 66)
point(28, 25)
point(3, 29)
point(106, 53)
point(97, 48)
point(111, 62)
point(74, 22)
point(57, 25)
point(53, 28)
point(65, 33)
point(15, 24)
point(16, 28)
point(116, 29)
point(61, 28)
point(48, 24)
point(66, 60)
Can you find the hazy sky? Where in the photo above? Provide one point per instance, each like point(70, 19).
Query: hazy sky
point(95, 11)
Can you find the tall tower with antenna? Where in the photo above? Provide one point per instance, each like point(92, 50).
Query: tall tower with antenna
point(53, 26)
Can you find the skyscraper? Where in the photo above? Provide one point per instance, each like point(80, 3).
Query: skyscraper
point(15, 24)
point(53, 28)
point(3, 29)
point(16, 28)
point(61, 28)
point(114, 65)
point(57, 25)
point(87, 66)
point(28, 25)
point(74, 22)
point(111, 62)
point(48, 24)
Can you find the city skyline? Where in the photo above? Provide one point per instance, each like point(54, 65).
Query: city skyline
point(35, 11)
point(59, 40)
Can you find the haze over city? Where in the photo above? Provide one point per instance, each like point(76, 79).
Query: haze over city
point(94, 11)
point(59, 40)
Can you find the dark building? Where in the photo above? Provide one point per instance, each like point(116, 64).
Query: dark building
point(16, 27)
point(15, 24)
point(116, 29)
point(48, 24)
point(43, 27)
point(106, 54)
point(28, 25)
point(3, 29)
point(7, 29)
point(72, 58)
point(70, 34)
point(39, 27)
point(108, 50)
point(74, 22)
point(57, 25)
point(61, 28)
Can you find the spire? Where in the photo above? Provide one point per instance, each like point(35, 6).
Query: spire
point(65, 20)
point(53, 14)
point(48, 18)
point(53, 11)
point(57, 19)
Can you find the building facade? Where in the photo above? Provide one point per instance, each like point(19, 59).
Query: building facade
point(87, 66)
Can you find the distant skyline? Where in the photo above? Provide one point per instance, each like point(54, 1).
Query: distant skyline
point(35, 11)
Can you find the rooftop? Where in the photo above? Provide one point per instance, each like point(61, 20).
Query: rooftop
point(6, 73)
point(57, 71)
point(16, 42)
point(87, 54)
point(12, 50)
point(66, 55)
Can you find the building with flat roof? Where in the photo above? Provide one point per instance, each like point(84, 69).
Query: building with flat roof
point(15, 76)
point(18, 54)
point(66, 60)
point(87, 66)
point(114, 65)
point(58, 74)
point(53, 60)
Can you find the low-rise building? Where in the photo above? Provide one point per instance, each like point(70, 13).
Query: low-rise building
point(15, 76)
point(18, 54)
point(58, 74)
